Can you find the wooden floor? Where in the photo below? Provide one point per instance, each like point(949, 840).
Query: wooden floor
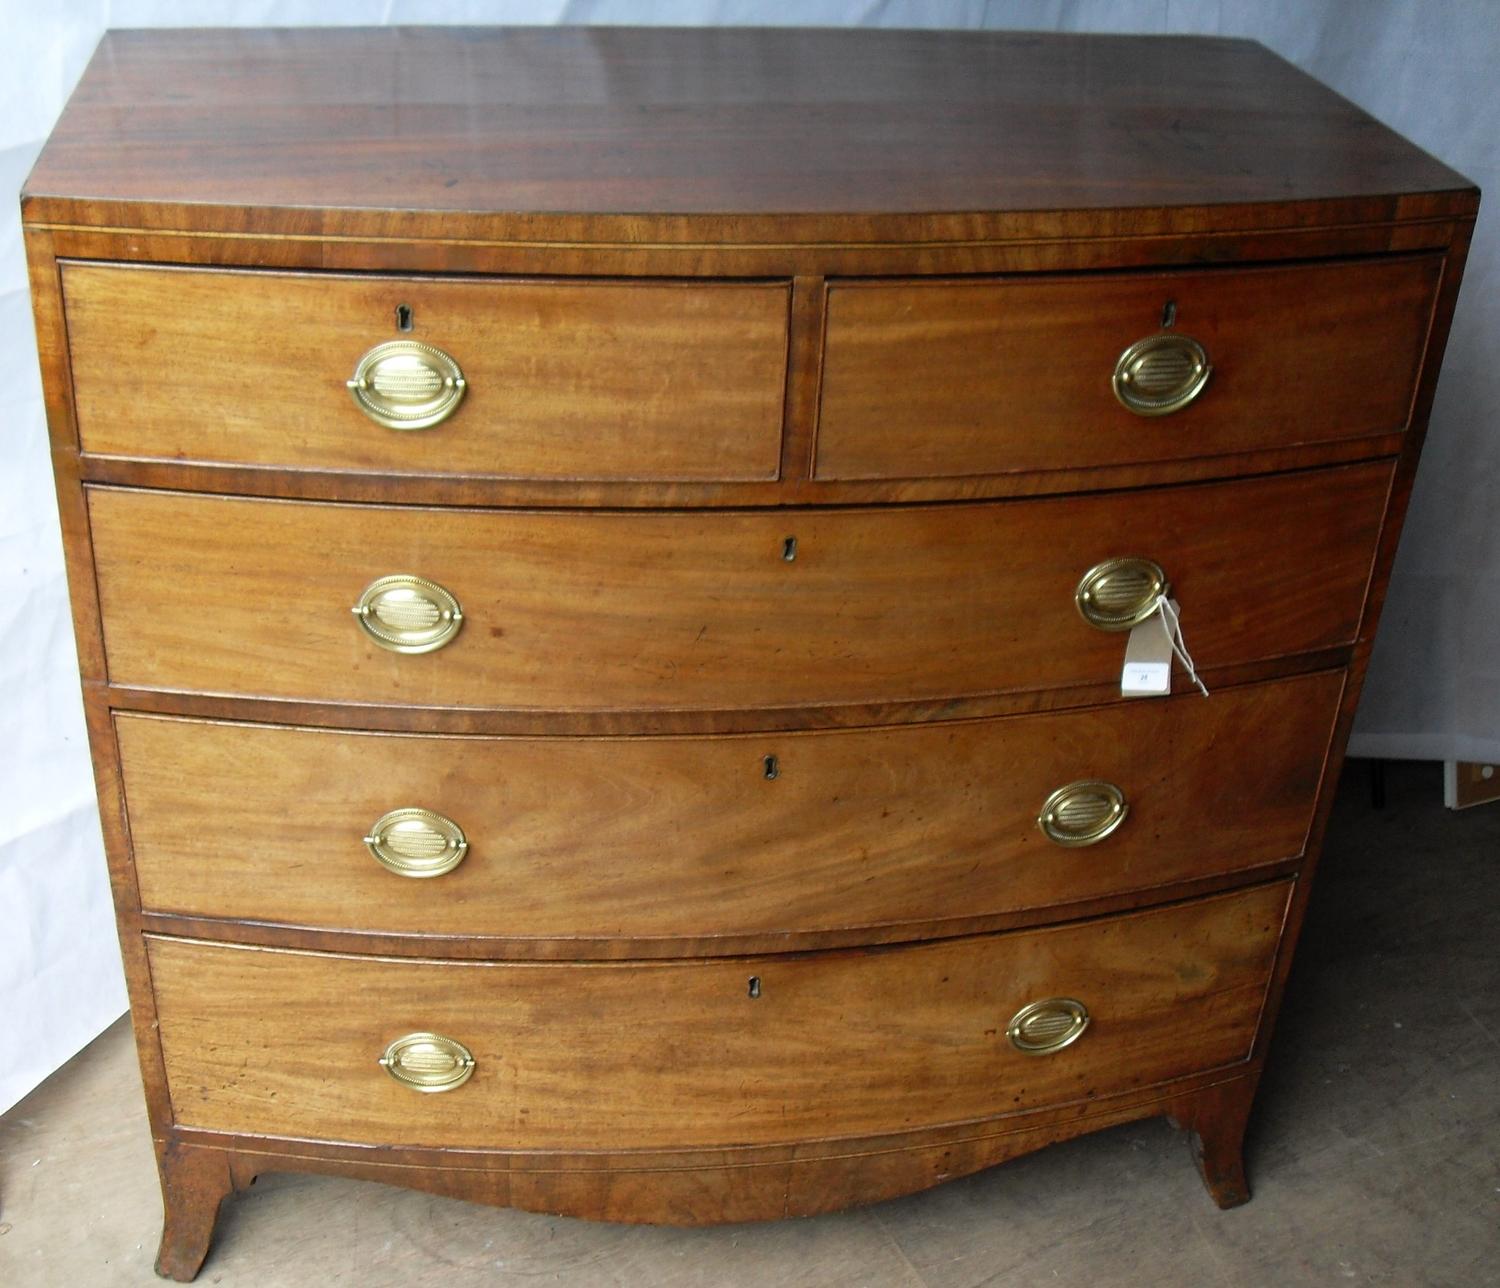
point(1374, 1155)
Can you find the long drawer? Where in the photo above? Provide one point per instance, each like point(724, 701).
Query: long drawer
point(561, 380)
point(737, 1051)
point(672, 610)
point(618, 838)
point(989, 376)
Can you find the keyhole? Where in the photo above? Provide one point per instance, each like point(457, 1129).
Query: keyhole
point(755, 986)
point(789, 549)
point(772, 768)
point(403, 317)
point(1168, 314)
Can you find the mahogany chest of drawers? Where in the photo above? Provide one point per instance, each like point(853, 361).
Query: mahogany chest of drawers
point(602, 562)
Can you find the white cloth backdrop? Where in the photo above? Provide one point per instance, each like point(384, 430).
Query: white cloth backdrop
point(1434, 690)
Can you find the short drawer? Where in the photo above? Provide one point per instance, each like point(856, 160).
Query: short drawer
point(577, 838)
point(993, 376)
point(561, 380)
point(605, 611)
point(729, 1051)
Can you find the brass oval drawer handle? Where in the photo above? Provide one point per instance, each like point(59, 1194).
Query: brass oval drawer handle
point(1161, 374)
point(1082, 813)
point(413, 842)
point(405, 384)
point(1041, 1028)
point(1120, 593)
point(408, 614)
point(428, 1062)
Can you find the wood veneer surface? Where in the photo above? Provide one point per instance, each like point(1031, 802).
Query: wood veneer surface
point(642, 125)
point(667, 610)
point(585, 380)
point(683, 1054)
point(623, 838)
point(980, 376)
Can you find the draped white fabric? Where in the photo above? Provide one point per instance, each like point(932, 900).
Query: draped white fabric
point(1434, 688)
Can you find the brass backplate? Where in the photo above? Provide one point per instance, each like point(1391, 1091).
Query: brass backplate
point(428, 1062)
point(1082, 813)
point(415, 842)
point(405, 384)
point(1042, 1028)
point(1120, 593)
point(1161, 374)
point(408, 614)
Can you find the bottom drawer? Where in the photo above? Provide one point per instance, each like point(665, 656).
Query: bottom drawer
point(715, 1052)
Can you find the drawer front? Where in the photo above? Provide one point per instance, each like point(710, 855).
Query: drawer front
point(597, 380)
point(995, 376)
point(577, 838)
point(637, 611)
point(690, 1053)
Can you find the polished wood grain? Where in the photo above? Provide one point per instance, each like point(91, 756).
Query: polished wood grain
point(576, 838)
point(708, 135)
point(669, 610)
point(675, 1055)
point(945, 377)
point(1050, 241)
point(790, 490)
point(1158, 1099)
point(503, 722)
point(686, 1190)
point(591, 380)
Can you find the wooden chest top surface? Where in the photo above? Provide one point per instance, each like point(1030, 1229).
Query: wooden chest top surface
point(786, 129)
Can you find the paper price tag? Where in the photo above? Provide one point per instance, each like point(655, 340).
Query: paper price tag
point(1140, 679)
point(1148, 660)
point(1147, 672)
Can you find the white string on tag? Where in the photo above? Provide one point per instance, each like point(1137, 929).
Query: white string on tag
point(1171, 623)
